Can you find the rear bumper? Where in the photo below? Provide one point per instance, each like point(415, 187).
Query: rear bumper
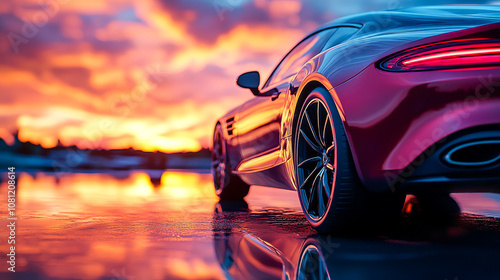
point(391, 119)
point(431, 171)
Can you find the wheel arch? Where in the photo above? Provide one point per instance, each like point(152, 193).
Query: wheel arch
point(311, 82)
point(302, 94)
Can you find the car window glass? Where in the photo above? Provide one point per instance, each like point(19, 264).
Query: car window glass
point(304, 51)
point(342, 34)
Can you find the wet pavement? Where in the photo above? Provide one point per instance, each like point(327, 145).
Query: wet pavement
point(154, 225)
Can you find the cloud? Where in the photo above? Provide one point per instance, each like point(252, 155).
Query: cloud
point(161, 71)
point(81, 64)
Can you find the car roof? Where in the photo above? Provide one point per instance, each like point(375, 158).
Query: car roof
point(432, 16)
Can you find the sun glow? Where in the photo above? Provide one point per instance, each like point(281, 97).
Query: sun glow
point(143, 74)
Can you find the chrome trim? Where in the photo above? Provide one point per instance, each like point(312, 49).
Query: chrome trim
point(448, 155)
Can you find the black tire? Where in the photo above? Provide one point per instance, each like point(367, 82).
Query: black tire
point(346, 205)
point(227, 185)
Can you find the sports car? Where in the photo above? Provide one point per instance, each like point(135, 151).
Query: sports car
point(370, 108)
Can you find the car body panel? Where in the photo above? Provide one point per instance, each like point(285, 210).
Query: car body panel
point(390, 130)
point(259, 123)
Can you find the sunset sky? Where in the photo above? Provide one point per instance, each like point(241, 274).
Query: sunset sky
point(148, 74)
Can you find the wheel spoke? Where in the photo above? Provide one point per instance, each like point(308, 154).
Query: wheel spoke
point(310, 199)
point(314, 146)
point(318, 118)
point(314, 189)
point(309, 177)
point(313, 131)
point(326, 184)
point(324, 129)
point(331, 148)
point(309, 160)
point(320, 187)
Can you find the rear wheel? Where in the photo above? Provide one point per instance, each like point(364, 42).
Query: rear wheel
point(331, 195)
point(227, 185)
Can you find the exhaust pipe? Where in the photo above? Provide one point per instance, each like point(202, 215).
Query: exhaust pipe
point(474, 153)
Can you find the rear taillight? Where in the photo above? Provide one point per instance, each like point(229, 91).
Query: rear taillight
point(453, 54)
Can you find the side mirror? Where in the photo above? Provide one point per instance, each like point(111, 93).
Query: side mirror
point(250, 80)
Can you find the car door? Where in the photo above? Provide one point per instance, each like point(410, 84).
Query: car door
point(259, 121)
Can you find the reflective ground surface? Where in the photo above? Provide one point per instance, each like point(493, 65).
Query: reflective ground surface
point(154, 225)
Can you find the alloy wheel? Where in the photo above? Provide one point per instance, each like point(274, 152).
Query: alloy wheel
point(315, 158)
point(218, 164)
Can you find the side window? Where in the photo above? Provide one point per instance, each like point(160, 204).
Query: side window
point(342, 34)
point(304, 51)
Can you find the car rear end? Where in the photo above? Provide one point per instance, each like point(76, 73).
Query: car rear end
point(426, 116)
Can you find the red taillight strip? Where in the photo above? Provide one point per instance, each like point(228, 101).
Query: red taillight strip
point(452, 54)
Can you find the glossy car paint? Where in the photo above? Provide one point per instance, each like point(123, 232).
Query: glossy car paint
point(390, 118)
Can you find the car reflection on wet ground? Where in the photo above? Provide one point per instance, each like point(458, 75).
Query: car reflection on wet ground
point(170, 225)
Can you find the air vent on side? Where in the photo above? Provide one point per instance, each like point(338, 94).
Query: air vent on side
point(230, 126)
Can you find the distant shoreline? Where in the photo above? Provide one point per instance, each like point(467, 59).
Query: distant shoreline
point(29, 156)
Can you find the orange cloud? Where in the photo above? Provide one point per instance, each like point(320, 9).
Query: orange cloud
point(143, 74)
